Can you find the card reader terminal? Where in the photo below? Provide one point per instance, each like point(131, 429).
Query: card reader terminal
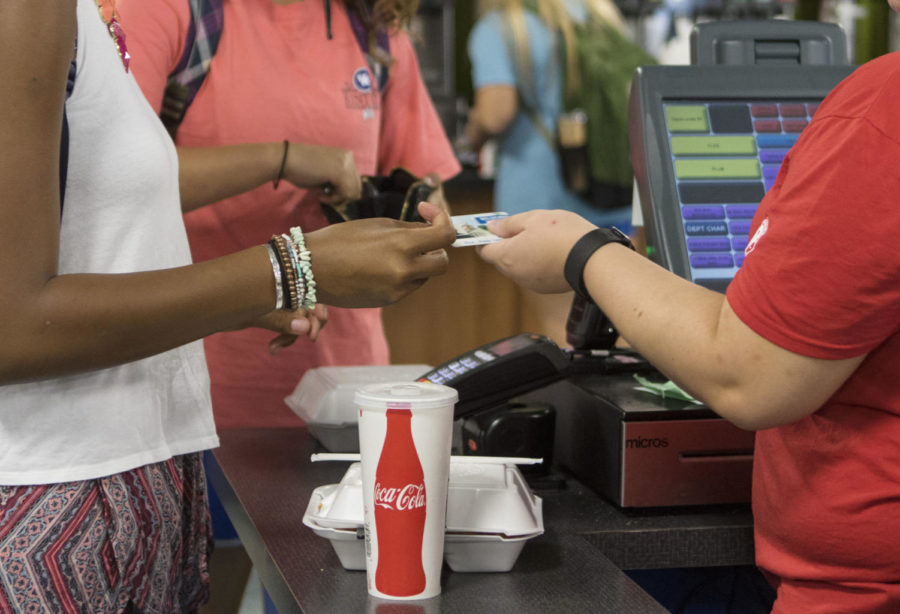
point(499, 370)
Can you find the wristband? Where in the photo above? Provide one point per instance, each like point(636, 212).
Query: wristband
point(583, 249)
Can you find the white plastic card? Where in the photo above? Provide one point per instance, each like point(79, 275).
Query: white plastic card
point(472, 229)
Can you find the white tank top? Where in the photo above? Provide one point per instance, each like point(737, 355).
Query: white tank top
point(121, 214)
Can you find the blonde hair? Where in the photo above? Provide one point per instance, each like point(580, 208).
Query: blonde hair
point(554, 15)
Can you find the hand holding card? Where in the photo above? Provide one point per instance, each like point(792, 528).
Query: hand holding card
point(472, 229)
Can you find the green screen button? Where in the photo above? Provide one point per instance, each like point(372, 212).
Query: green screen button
point(687, 118)
point(713, 146)
point(711, 168)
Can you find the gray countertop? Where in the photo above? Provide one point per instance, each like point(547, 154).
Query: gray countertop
point(265, 479)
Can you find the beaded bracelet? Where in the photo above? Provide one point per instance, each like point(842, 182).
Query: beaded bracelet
point(290, 273)
point(303, 254)
point(299, 281)
point(276, 270)
point(293, 274)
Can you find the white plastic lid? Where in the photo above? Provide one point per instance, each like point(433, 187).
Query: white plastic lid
point(422, 395)
point(324, 395)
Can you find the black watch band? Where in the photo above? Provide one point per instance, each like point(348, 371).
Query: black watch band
point(584, 248)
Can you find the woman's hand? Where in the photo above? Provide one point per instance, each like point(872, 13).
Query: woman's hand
point(330, 171)
point(535, 247)
point(377, 261)
point(292, 324)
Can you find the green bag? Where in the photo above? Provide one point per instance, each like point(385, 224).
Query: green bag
point(591, 135)
point(607, 61)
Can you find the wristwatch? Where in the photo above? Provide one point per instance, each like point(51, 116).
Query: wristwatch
point(584, 248)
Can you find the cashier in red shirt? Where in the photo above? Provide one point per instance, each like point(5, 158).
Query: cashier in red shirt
point(804, 348)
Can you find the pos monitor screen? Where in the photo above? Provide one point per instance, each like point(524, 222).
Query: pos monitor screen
point(707, 143)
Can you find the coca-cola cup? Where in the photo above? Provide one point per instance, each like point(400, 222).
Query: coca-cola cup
point(404, 447)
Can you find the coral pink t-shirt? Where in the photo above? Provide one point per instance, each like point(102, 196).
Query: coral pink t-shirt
point(276, 75)
point(824, 281)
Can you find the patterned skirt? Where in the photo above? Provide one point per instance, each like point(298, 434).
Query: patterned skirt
point(135, 540)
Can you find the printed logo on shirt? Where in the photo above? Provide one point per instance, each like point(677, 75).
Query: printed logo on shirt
point(362, 80)
point(359, 93)
point(757, 236)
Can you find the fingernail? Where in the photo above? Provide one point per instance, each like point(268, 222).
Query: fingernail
point(299, 326)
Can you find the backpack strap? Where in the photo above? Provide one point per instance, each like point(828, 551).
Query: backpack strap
point(201, 42)
point(64, 140)
point(378, 66)
point(516, 39)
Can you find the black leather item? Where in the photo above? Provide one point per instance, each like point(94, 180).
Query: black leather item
point(584, 249)
point(395, 196)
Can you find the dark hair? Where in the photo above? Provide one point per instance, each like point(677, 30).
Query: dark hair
point(385, 14)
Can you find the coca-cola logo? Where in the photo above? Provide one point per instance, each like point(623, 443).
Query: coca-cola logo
point(409, 497)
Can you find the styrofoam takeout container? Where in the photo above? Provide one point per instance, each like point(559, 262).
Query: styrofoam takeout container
point(324, 400)
point(491, 513)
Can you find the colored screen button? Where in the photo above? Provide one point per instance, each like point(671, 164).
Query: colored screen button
point(795, 125)
point(764, 110)
point(687, 118)
point(767, 125)
point(702, 212)
point(708, 244)
point(793, 110)
point(711, 261)
point(717, 169)
point(713, 146)
point(772, 156)
point(739, 227)
point(739, 243)
point(770, 173)
point(776, 140)
point(705, 229)
point(740, 212)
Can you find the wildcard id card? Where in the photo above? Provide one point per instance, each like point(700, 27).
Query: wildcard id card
point(472, 229)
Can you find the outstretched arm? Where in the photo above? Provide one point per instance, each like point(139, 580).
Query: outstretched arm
point(687, 332)
point(210, 174)
point(54, 324)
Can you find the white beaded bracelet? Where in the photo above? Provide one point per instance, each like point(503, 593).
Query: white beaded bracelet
point(300, 282)
point(309, 300)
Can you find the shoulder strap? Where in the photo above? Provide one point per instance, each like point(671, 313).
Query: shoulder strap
point(201, 42)
point(538, 123)
point(515, 34)
point(378, 66)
